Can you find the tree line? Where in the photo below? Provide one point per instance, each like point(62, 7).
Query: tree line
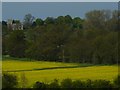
point(93, 39)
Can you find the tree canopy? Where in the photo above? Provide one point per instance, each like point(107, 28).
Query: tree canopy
point(93, 39)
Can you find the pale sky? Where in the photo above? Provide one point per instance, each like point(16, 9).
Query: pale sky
point(17, 10)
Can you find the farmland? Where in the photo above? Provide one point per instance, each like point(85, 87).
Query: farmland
point(47, 71)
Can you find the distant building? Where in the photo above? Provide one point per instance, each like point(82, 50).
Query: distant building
point(14, 24)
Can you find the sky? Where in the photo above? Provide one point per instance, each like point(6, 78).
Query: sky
point(0, 11)
point(17, 10)
point(60, 1)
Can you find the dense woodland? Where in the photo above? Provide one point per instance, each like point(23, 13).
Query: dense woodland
point(93, 39)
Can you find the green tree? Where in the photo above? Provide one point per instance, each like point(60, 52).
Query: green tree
point(77, 23)
point(28, 20)
point(39, 22)
point(45, 42)
point(105, 49)
point(68, 19)
point(96, 19)
point(16, 43)
point(49, 20)
point(60, 20)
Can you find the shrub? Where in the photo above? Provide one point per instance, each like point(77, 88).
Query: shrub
point(88, 83)
point(66, 83)
point(9, 81)
point(40, 85)
point(23, 80)
point(102, 84)
point(78, 84)
point(54, 84)
point(117, 81)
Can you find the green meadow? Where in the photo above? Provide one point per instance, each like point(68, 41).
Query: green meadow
point(45, 71)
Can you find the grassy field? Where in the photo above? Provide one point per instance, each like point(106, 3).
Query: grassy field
point(48, 71)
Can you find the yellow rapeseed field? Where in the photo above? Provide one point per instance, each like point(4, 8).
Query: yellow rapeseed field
point(108, 72)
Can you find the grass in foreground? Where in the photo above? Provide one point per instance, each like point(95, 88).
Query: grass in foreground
point(47, 75)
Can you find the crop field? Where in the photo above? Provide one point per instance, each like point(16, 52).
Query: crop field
point(48, 71)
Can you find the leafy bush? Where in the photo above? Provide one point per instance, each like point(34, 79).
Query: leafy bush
point(78, 84)
point(117, 81)
point(54, 84)
point(102, 84)
point(88, 83)
point(9, 81)
point(66, 83)
point(40, 85)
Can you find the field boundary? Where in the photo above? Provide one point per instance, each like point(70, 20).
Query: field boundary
point(51, 68)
